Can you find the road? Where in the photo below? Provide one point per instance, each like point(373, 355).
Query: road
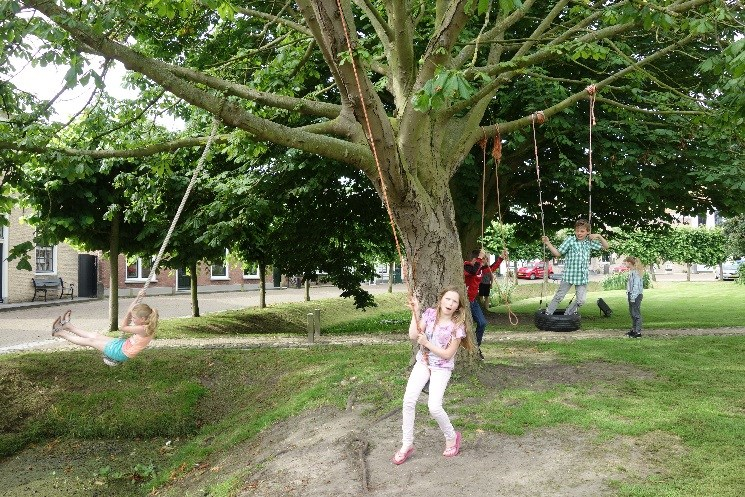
point(28, 326)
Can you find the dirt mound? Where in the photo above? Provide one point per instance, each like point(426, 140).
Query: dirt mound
point(347, 453)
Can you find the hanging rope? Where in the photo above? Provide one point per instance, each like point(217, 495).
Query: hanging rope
point(591, 90)
point(483, 143)
point(540, 118)
point(174, 222)
point(374, 149)
point(497, 155)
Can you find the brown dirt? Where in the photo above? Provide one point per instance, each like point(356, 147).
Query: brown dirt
point(329, 452)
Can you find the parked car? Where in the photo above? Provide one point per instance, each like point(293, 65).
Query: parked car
point(730, 270)
point(534, 270)
point(621, 268)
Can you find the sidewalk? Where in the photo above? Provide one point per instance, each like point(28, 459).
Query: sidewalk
point(27, 325)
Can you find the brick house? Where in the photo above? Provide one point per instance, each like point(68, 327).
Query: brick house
point(226, 277)
point(90, 272)
point(15, 284)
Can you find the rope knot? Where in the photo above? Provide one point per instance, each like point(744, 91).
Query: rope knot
point(539, 117)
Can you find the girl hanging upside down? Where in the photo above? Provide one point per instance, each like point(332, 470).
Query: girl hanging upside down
point(141, 321)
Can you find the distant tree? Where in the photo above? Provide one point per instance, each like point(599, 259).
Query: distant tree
point(733, 229)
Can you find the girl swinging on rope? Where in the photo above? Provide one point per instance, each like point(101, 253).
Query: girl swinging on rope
point(141, 321)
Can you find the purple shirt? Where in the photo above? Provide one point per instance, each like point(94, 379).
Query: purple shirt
point(440, 335)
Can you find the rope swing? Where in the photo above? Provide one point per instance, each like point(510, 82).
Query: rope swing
point(591, 91)
point(174, 222)
point(497, 156)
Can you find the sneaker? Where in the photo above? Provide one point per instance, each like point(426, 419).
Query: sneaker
point(425, 389)
point(633, 334)
point(481, 354)
point(630, 333)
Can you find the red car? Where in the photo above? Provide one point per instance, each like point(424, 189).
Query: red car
point(620, 268)
point(534, 270)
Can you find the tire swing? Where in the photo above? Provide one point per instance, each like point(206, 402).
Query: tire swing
point(558, 321)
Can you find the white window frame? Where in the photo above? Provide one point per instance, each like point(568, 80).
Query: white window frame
point(226, 276)
point(253, 275)
point(53, 262)
point(141, 276)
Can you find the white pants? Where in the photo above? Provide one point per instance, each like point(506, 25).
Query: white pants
point(438, 381)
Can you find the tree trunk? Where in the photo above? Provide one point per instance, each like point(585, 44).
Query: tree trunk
point(433, 255)
point(307, 290)
point(652, 274)
point(114, 276)
point(688, 271)
point(193, 289)
point(391, 268)
point(262, 285)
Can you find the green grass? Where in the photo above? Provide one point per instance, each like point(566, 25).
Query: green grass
point(665, 306)
point(205, 402)
point(338, 316)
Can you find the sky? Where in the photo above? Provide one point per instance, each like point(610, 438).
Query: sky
point(45, 82)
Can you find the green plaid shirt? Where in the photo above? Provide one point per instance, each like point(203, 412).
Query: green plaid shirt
point(577, 259)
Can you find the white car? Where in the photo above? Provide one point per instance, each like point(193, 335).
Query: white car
point(730, 270)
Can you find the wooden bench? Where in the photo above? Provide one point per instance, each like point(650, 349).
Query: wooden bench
point(44, 283)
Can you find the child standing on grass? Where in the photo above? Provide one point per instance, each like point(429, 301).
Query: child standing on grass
point(634, 292)
point(141, 321)
point(439, 334)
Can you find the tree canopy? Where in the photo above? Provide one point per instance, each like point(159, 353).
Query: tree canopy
point(404, 91)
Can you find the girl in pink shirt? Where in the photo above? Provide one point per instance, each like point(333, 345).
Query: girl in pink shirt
point(141, 321)
point(439, 334)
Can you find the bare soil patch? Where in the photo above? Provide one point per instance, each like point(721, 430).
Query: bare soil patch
point(329, 452)
point(344, 453)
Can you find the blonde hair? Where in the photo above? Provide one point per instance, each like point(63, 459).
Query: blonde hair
point(459, 316)
point(636, 264)
point(150, 316)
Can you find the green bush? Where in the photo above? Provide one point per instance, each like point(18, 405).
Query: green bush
point(502, 293)
point(618, 281)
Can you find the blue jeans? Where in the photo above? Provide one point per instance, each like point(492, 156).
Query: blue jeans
point(635, 309)
point(478, 317)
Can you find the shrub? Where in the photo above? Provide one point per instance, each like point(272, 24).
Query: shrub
point(502, 293)
point(618, 281)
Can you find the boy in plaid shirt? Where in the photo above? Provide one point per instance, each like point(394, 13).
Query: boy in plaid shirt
point(576, 252)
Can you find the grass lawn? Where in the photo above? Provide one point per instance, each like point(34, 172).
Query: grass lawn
point(668, 305)
point(156, 417)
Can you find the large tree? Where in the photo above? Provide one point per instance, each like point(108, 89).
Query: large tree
point(404, 90)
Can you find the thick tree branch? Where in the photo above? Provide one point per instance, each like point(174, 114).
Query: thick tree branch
point(227, 112)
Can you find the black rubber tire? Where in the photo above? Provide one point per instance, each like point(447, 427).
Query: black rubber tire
point(558, 321)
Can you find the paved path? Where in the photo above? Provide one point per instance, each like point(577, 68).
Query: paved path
point(28, 325)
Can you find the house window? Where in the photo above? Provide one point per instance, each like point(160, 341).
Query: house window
point(219, 271)
point(251, 270)
point(45, 259)
point(139, 269)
